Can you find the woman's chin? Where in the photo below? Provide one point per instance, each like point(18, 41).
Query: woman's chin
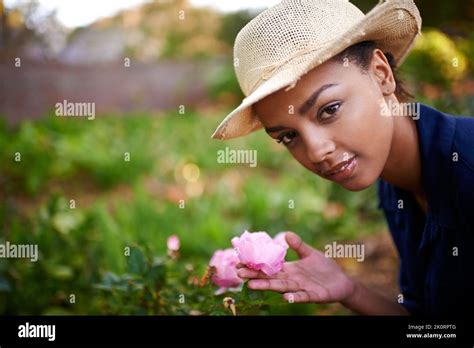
point(358, 183)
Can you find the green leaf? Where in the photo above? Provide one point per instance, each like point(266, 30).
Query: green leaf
point(137, 263)
point(61, 272)
point(108, 281)
point(157, 274)
point(244, 294)
point(273, 298)
point(64, 222)
point(110, 278)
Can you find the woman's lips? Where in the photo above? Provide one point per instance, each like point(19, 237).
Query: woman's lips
point(345, 172)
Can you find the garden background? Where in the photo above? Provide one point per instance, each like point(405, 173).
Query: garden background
point(75, 195)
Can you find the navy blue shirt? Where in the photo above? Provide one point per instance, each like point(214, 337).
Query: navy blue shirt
point(436, 249)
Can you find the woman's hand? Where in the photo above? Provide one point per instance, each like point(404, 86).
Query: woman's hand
point(313, 278)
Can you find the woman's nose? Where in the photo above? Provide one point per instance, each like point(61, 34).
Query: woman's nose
point(318, 148)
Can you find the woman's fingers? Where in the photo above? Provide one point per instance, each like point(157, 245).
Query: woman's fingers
point(280, 285)
point(301, 297)
point(249, 273)
point(297, 244)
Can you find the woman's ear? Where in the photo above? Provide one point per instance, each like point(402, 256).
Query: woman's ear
point(380, 67)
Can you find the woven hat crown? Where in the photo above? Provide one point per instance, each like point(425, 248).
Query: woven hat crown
point(285, 33)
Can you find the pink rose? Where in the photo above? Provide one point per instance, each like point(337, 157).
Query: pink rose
point(258, 251)
point(225, 262)
point(280, 238)
point(173, 243)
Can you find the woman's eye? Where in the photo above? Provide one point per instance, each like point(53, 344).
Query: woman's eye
point(286, 138)
point(329, 111)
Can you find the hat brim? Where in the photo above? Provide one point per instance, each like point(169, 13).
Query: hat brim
point(377, 25)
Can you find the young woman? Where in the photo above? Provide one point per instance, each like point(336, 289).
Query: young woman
point(319, 77)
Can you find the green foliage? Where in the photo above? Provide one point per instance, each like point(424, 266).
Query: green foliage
point(223, 81)
point(83, 250)
point(58, 148)
point(232, 23)
point(466, 46)
point(436, 59)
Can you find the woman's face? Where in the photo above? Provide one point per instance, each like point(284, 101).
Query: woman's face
point(332, 120)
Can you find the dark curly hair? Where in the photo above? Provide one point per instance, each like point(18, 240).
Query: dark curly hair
point(361, 54)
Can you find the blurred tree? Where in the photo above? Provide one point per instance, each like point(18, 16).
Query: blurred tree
point(436, 59)
point(28, 30)
point(455, 16)
point(232, 23)
point(13, 30)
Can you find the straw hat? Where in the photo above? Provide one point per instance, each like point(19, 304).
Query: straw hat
point(286, 41)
